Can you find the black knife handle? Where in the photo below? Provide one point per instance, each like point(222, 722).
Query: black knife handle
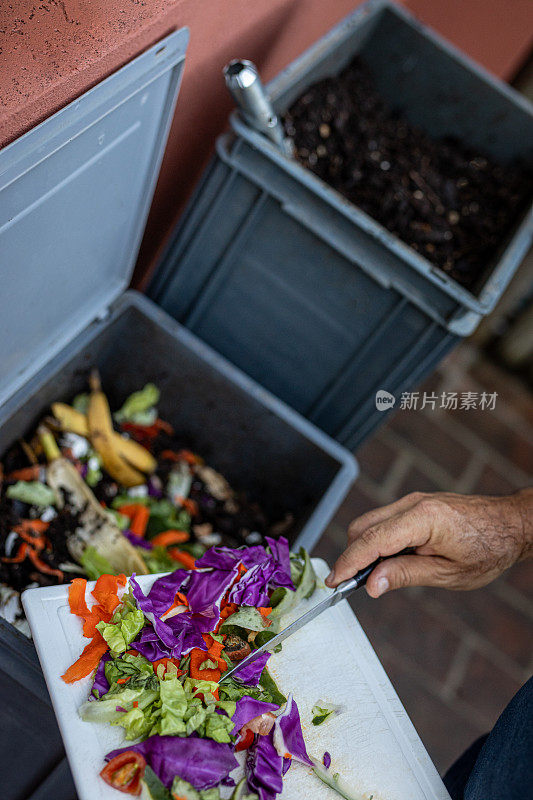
point(361, 577)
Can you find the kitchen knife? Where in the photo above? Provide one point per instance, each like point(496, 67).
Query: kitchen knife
point(343, 591)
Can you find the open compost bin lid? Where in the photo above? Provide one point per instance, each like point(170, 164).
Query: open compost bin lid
point(75, 192)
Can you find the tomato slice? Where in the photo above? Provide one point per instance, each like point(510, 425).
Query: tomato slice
point(245, 741)
point(124, 772)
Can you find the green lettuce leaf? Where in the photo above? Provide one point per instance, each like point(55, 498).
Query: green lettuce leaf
point(137, 404)
point(120, 634)
point(174, 703)
point(153, 788)
point(105, 709)
point(95, 564)
point(283, 599)
point(208, 664)
point(323, 710)
point(81, 403)
point(183, 790)
point(241, 792)
point(246, 617)
point(334, 783)
point(137, 668)
point(34, 493)
point(232, 690)
point(218, 727)
point(267, 682)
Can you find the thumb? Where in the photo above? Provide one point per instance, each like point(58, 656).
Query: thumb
point(395, 573)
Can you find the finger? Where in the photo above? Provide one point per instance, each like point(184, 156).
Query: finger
point(408, 529)
point(395, 573)
point(377, 515)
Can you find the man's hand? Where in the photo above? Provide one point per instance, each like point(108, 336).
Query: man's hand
point(459, 542)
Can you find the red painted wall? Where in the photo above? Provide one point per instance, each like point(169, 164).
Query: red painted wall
point(51, 51)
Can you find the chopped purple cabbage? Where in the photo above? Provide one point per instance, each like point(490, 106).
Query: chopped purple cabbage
point(201, 762)
point(251, 673)
point(100, 682)
point(252, 588)
point(280, 552)
point(164, 631)
point(206, 590)
point(137, 541)
point(164, 590)
point(264, 768)
point(326, 760)
point(288, 736)
point(248, 709)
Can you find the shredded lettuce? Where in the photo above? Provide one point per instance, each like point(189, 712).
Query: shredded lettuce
point(137, 405)
point(153, 788)
point(270, 686)
point(173, 704)
point(81, 402)
point(105, 709)
point(322, 711)
point(126, 623)
point(95, 564)
point(34, 493)
point(184, 791)
point(304, 578)
point(241, 792)
point(246, 617)
point(334, 782)
point(209, 664)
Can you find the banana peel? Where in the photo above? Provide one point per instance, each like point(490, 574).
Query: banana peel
point(97, 528)
point(135, 454)
point(101, 435)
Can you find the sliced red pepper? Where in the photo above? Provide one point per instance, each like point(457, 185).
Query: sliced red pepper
point(26, 473)
point(88, 661)
point(42, 566)
point(184, 558)
point(166, 538)
point(191, 506)
point(165, 661)
point(125, 772)
point(106, 589)
point(22, 552)
point(197, 658)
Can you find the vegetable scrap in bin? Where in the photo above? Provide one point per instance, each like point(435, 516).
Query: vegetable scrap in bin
point(92, 492)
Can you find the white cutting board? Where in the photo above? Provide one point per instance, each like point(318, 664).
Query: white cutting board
point(373, 744)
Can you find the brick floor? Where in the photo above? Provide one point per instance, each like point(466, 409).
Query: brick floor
point(455, 658)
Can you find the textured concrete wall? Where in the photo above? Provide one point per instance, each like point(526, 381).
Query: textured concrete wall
point(51, 51)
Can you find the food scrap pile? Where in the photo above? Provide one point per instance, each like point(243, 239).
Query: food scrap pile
point(158, 662)
point(453, 205)
point(93, 493)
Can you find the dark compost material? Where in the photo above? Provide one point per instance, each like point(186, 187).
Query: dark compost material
point(451, 204)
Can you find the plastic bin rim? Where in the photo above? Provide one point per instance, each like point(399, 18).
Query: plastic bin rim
point(497, 280)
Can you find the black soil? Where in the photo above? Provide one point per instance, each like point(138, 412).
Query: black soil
point(453, 205)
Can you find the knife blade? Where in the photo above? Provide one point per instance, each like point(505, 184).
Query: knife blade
point(342, 591)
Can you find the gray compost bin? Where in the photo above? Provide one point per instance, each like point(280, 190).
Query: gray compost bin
point(74, 195)
point(304, 291)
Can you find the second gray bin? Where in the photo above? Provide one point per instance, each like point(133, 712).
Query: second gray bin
point(301, 289)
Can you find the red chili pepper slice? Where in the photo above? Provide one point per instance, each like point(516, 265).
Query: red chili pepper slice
point(124, 772)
